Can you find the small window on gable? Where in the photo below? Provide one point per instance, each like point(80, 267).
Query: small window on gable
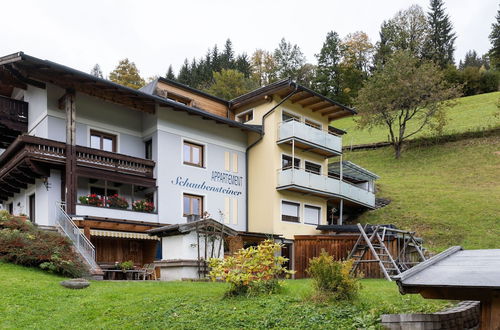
point(290, 211)
point(245, 116)
point(103, 141)
point(193, 154)
point(286, 116)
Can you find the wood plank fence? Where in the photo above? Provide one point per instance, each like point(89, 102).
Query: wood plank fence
point(338, 246)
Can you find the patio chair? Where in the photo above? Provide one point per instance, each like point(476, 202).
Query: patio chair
point(149, 270)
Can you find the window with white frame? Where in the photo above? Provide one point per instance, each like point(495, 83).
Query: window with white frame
point(245, 116)
point(312, 215)
point(287, 116)
point(290, 211)
point(286, 162)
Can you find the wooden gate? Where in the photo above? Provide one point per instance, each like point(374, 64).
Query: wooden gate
point(338, 246)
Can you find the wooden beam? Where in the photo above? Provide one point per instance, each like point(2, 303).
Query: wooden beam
point(69, 100)
point(309, 101)
point(339, 115)
point(320, 105)
point(299, 96)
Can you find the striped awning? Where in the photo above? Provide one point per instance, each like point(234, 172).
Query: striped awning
point(121, 234)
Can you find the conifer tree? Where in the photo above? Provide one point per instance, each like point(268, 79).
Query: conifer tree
point(96, 71)
point(328, 74)
point(184, 76)
point(127, 74)
point(440, 42)
point(170, 73)
point(289, 60)
point(494, 37)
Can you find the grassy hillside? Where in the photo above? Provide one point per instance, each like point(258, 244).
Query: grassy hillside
point(448, 193)
point(33, 299)
point(470, 113)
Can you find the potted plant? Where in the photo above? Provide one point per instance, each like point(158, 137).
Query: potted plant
point(91, 199)
point(143, 206)
point(117, 202)
point(127, 265)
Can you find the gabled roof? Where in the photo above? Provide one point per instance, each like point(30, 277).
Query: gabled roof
point(185, 228)
point(302, 95)
point(23, 69)
point(192, 90)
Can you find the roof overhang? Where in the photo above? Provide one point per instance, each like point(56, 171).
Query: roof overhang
point(19, 70)
point(352, 171)
point(186, 228)
point(302, 96)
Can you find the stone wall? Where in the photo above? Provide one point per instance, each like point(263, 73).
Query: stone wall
point(464, 315)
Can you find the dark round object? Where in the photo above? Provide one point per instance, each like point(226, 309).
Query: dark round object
point(76, 283)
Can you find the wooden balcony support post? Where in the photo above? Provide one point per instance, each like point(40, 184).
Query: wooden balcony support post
point(68, 102)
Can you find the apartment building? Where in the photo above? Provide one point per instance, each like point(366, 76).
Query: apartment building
point(114, 162)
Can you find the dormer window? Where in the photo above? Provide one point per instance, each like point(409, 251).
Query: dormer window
point(245, 116)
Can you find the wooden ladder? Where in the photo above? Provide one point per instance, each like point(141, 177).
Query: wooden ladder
point(375, 244)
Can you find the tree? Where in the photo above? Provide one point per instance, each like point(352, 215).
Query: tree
point(263, 67)
point(358, 51)
point(127, 74)
point(227, 57)
point(96, 71)
point(170, 73)
point(328, 80)
point(406, 96)
point(407, 30)
point(495, 43)
point(471, 59)
point(184, 76)
point(289, 60)
point(229, 84)
point(242, 64)
point(440, 42)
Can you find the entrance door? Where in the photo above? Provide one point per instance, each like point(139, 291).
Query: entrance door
point(32, 207)
point(286, 251)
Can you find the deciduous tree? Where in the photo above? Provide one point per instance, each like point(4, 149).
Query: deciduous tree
point(289, 60)
point(229, 84)
point(406, 96)
point(263, 67)
point(494, 37)
point(127, 74)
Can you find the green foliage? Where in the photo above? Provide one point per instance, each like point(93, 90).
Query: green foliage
point(5, 215)
point(328, 80)
point(229, 84)
point(251, 271)
point(170, 73)
point(440, 42)
point(263, 67)
point(126, 265)
point(289, 60)
point(117, 202)
point(405, 90)
point(189, 305)
point(332, 279)
point(452, 185)
point(24, 244)
point(494, 37)
point(127, 74)
point(96, 71)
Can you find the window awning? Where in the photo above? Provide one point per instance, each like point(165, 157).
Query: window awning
point(121, 234)
point(352, 171)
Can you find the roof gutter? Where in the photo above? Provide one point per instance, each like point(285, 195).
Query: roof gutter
point(263, 132)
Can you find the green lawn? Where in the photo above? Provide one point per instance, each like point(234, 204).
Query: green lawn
point(33, 299)
point(471, 113)
point(448, 193)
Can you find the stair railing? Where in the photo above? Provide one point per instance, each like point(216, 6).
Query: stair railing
point(81, 243)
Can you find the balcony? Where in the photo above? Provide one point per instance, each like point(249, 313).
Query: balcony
point(309, 138)
point(13, 120)
point(323, 186)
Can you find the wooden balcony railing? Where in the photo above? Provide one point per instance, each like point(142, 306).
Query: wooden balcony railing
point(55, 152)
point(13, 113)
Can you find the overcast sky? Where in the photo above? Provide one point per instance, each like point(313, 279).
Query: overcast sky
point(155, 34)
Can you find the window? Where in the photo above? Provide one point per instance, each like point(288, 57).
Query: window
point(148, 149)
point(245, 116)
point(103, 141)
point(32, 207)
point(193, 154)
point(290, 212)
point(192, 205)
point(312, 215)
point(312, 124)
point(288, 116)
point(10, 208)
point(313, 168)
point(99, 191)
point(286, 162)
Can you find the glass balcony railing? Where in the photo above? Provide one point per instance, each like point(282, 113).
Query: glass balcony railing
point(322, 185)
point(310, 136)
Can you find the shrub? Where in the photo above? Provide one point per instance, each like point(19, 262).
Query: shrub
point(143, 206)
point(251, 271)
point(24, 244)
point(5, 215)
point(91, 199)
point(117, 201)
point(333, 279)
point(126, 265)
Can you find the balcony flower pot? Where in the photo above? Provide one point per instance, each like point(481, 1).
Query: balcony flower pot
point(116, 201)
point(143, 206)
point(91, 199)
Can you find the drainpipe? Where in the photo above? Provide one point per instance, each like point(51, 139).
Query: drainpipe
point(259, 139)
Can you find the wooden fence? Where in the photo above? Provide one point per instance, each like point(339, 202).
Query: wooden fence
point(338, 246)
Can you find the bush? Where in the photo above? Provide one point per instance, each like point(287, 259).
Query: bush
point(24, 244)
point(332, 279)
point(252, 271)
point(126, 265)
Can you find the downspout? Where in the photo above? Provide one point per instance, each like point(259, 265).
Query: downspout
point(260, 139)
